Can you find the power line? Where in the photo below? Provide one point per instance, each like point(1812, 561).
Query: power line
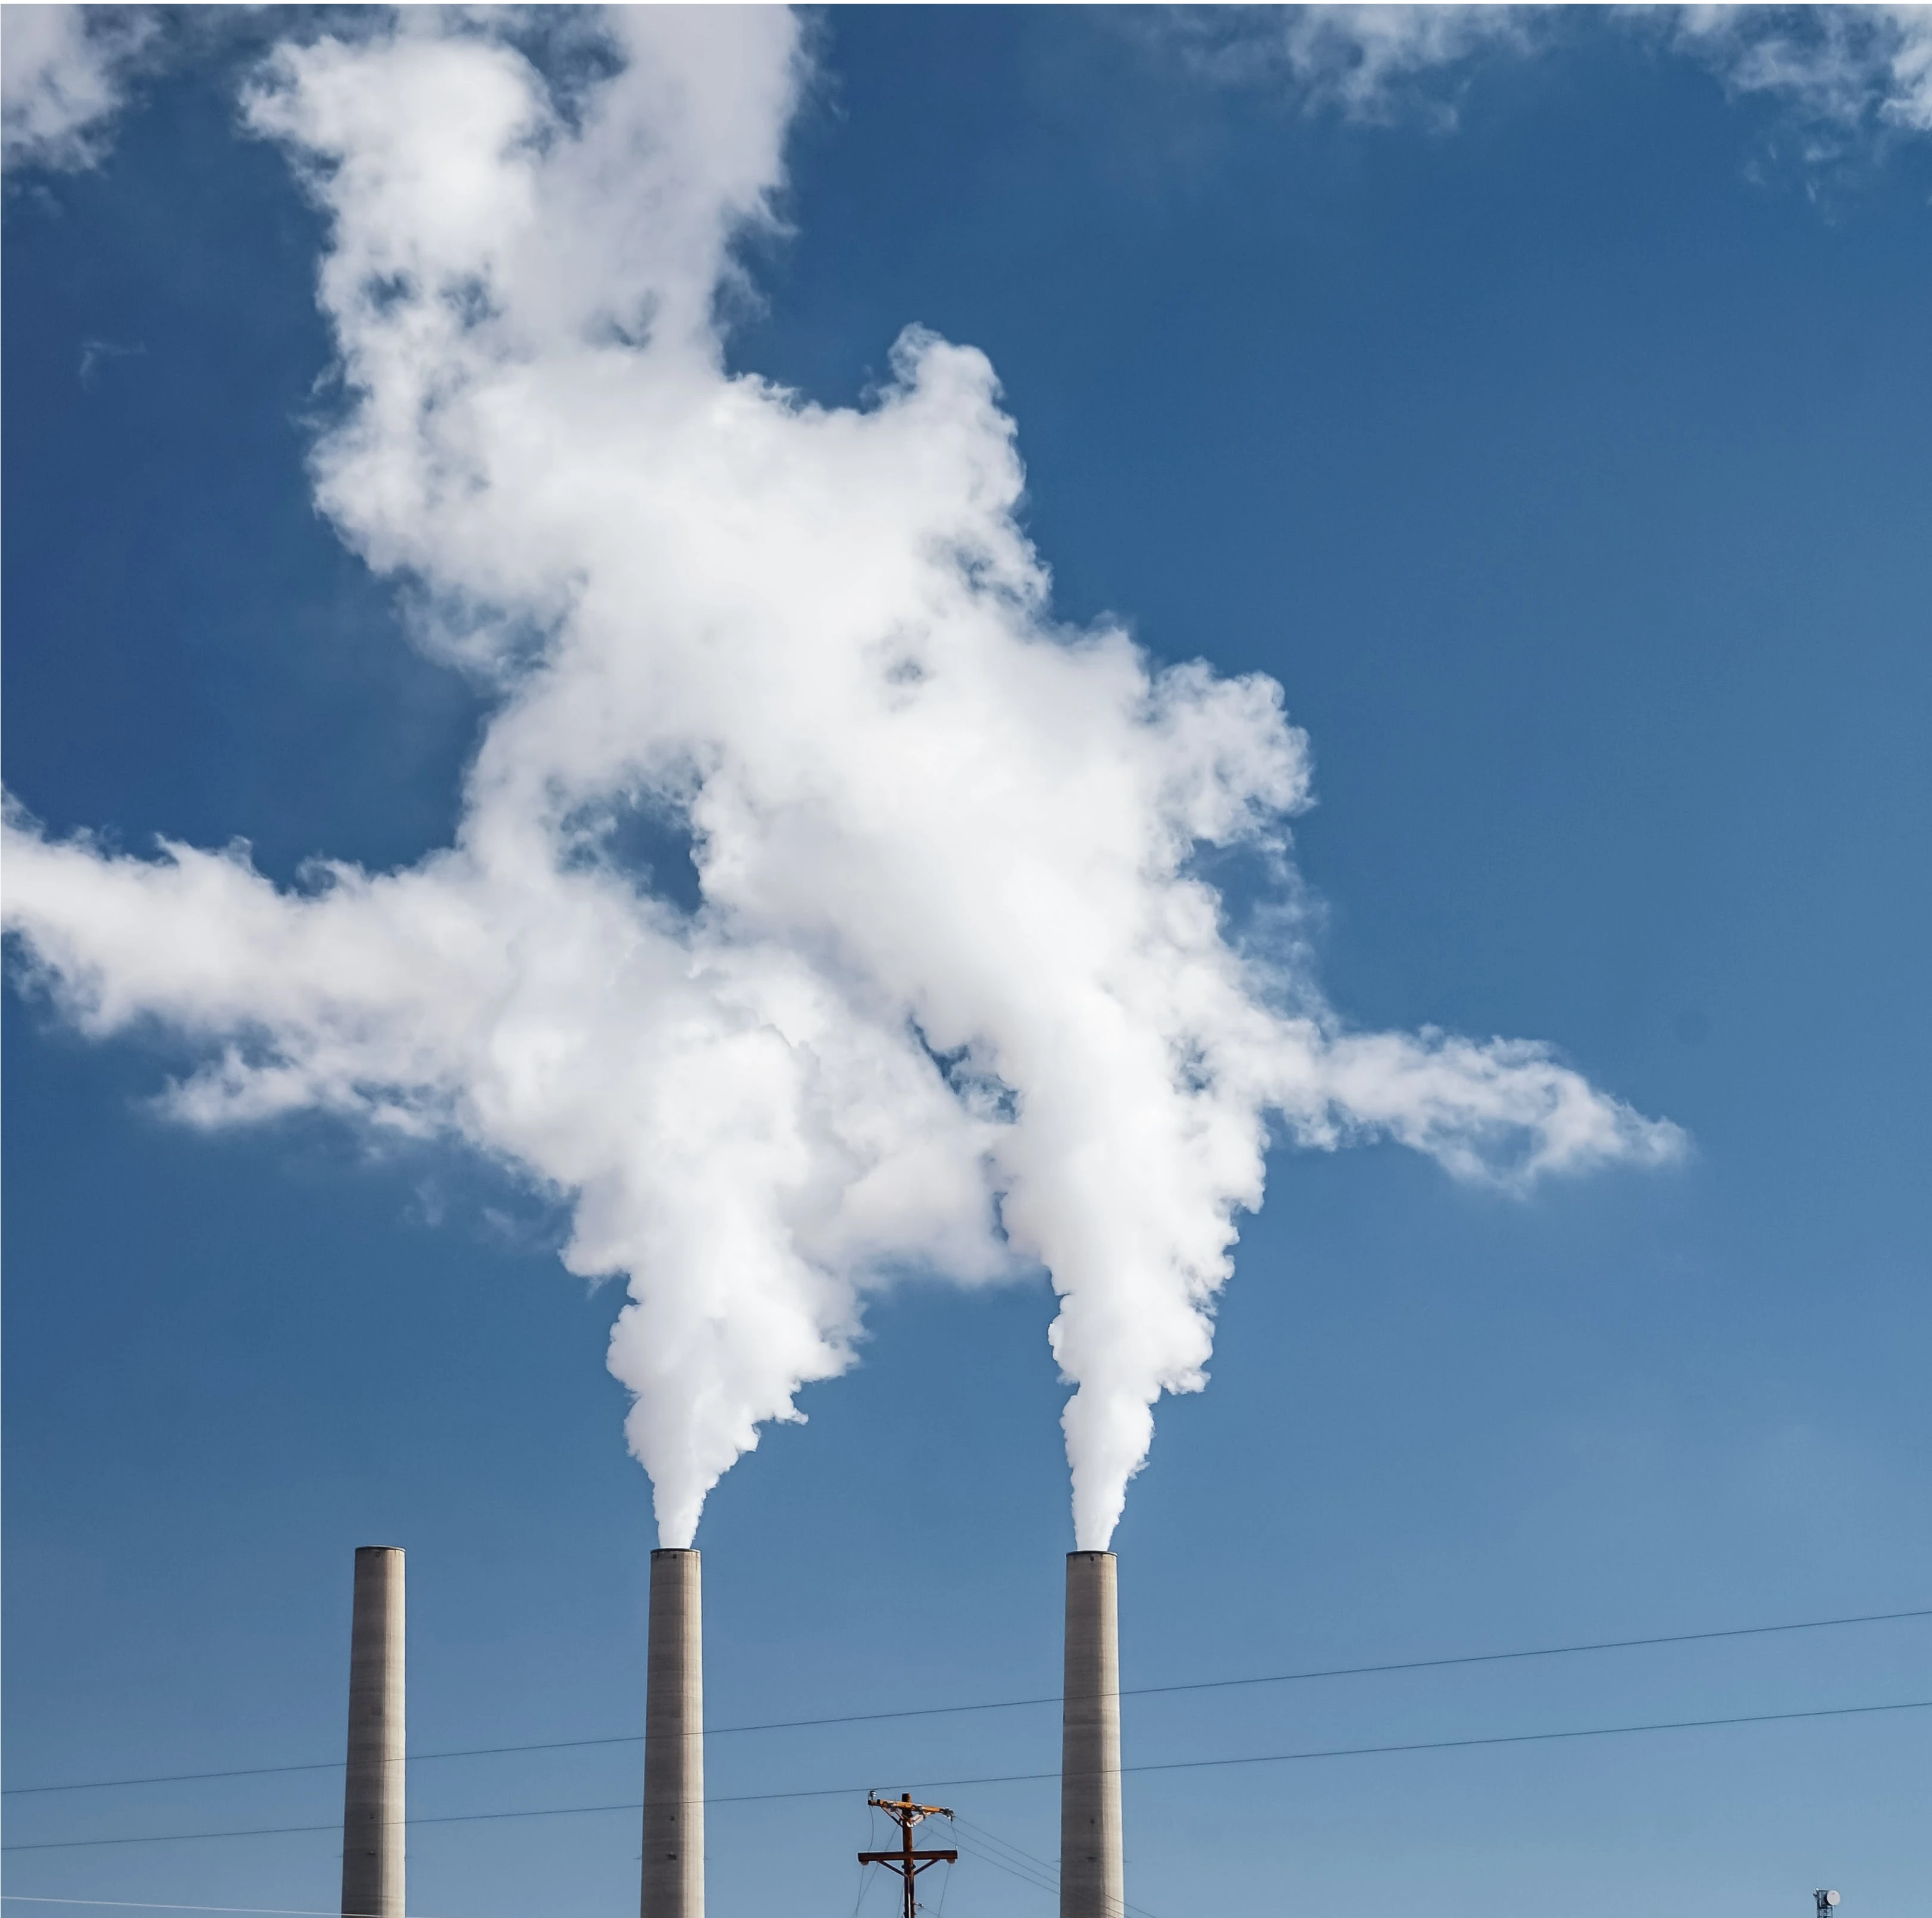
point(1022, 1864)
point(1038, 1881)
point(980, 1834)
point(1033, 1872)
point(1038, 1778)
point(1532, 1652)
point(145, 1904)
point(1015, 1704)
point(149, 1905)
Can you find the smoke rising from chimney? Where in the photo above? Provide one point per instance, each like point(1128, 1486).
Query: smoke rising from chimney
point(956, 994)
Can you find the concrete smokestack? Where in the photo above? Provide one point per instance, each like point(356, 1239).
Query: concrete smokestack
point(372, 1798)
point(1093, 1880)
point(674, 1884)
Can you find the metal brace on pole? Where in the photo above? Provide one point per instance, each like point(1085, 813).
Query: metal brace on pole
point(906, 1862)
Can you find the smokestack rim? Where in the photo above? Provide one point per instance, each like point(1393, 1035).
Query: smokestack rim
point(674, 1552)
point(1072, 1555)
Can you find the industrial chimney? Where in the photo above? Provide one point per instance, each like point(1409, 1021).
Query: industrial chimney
point(1092, 1879)
point(673, 1879)
point(372, 1798)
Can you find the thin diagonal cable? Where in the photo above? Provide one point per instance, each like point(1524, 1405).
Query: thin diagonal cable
point(1037, 1778)
point(150, 1904)
point(986, 1837)
point(979, 1835)
point(1048, 1886)
point(1015, 1704)
point(982, 1843)
point(872, 1845)
point(1026, 1873)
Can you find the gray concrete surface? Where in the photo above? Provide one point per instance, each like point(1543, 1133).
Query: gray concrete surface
point(673, 1875)
point(1092, 1878)
point(372, 1798)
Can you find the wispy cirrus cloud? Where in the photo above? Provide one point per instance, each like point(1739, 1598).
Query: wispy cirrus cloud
point(1845, 76)
point(1847, 71)
point(1372, 65)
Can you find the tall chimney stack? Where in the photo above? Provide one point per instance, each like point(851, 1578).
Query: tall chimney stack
point(1093, 1881)
point(673, 1883)
point(372, 1798)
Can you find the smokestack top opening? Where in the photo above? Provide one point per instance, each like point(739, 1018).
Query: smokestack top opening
point(360, 1549)
point(1090, 1554)
point(674, 1551)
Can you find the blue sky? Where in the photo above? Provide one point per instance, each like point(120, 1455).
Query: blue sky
point(1549, 420)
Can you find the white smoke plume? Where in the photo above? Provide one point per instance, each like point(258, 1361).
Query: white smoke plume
point(955, 996)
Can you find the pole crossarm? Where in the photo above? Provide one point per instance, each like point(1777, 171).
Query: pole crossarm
point(907, 1862)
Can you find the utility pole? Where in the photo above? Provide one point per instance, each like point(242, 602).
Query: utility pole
point(906, 1862)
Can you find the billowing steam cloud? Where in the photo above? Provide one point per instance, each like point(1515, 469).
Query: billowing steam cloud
point(955, 995)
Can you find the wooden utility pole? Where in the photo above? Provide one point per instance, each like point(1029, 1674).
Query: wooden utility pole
point(906, 1862)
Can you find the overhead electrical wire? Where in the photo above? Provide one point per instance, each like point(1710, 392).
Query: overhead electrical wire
point(973, 1839)
point(1039, 1881)
point(297, 1911)
point(1038, 1778)
point(972, 1832)
point(152, 1905)
point(1015, 1704)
